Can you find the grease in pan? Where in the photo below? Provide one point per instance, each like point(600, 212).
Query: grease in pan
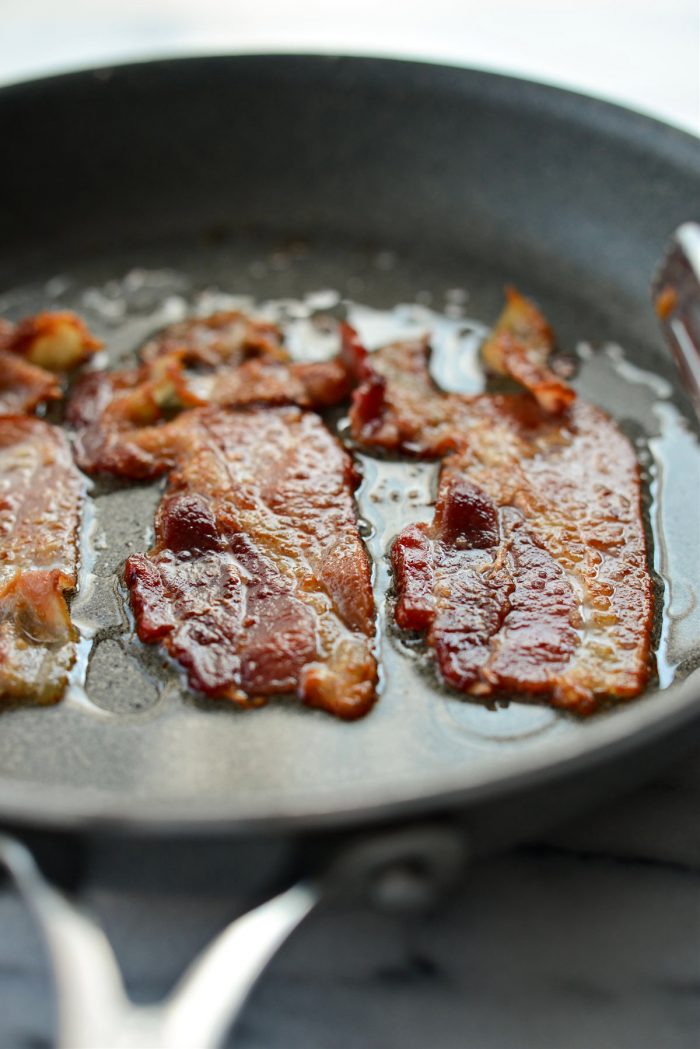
point(531, 580)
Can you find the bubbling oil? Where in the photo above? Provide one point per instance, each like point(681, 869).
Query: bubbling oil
point(118, 518)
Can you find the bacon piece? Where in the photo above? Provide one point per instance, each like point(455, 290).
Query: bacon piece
point(121, 418)
point(40, 499)
point(226, 360)
point(308, 384)
point(31, 351)
point(473, 589)
point(57, 340)
point(520, 346)
point(259, 583)
point(227, 337)
point(240, 361)
point(533, 576)
point(398, 408)
point(23, 386)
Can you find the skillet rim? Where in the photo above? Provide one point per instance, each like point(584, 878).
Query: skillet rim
point(69, 808)
point(615, 115)
point(77, 809)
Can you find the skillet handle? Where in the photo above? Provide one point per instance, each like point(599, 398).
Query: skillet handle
point(676, 292)
point(395, 869)
point(94, 1009)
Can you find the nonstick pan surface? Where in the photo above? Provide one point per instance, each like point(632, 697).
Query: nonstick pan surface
point(406, 195)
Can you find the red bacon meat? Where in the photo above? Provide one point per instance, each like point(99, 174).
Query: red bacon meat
point(258, 583)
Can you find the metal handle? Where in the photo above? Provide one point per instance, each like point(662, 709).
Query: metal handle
point(409, 868)
point(676, 292)
point(94, 1010)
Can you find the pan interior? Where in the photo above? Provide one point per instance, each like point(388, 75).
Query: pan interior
point(128, 734)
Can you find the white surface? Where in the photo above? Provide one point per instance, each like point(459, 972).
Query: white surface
point(642, 53)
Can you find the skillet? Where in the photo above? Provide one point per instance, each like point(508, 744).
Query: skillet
point(276, 177)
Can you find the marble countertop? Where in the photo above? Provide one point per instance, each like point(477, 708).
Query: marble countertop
point(586, 939)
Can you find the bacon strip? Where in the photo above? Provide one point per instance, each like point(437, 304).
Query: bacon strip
point(226, 337)
point(398, 408)
point(57, 340)
point(520, 346)
point(543, 588)
point(40, 499)
point(227, 360)
point(121, 418)
point(533, 576)
point(32, 351)
point(259, 583)
point(23, 386)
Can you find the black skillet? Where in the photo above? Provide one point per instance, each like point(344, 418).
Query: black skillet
point(275, 177)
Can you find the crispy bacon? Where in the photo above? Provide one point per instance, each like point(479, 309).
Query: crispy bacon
point(520, 346)
point(308, 384)
point(259, 583)
point(23, 386)
point(398, 408)
point(40, 499)
point(32, 351)
point(227, 337)
point(57, 340)
point(226, 360)
point(121, 418)
point(533, 576)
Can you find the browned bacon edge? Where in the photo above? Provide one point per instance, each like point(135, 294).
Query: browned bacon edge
point(32, 351)
point(40, 500)
point(520, 346)
point(397, 407)
point(227, 360)
point(23, 386)
point(532, 578)
point(57, 340)
point(258, 583)
point(543, 588)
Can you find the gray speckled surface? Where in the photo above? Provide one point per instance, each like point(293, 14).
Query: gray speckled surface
point(588, 939)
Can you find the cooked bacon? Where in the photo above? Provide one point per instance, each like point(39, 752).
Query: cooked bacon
point(259, 583)
point(308, 384)
point(23, 386)
point(229, 359)
point(520, 346)
point(121, 418)
point(31, 351)
point(398, 408)
point(226, 360)
point(40, 498)
point(227, 337)
point(56, 340)
point(533, 576)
